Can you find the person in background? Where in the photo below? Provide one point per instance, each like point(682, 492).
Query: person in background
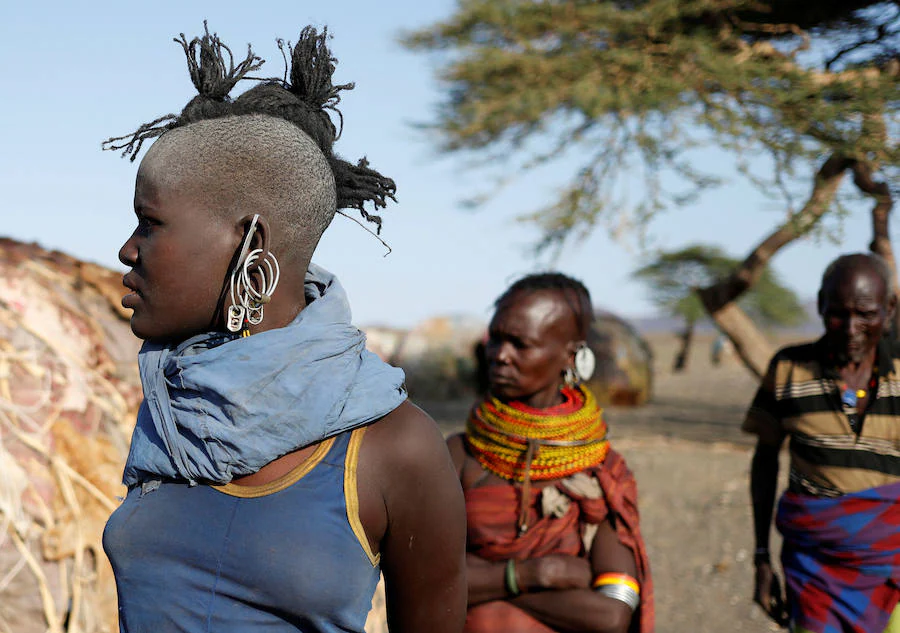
point(554, 542)
point(276, 467)
point(838, 400)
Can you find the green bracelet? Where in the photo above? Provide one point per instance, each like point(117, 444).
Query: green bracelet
point(512, 586)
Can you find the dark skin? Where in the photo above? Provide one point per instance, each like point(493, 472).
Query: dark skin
point(411, 504)
point(855, 307)
point(532, 340)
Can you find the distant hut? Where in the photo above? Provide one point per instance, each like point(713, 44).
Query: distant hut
point(437, 357)
point(624, 373)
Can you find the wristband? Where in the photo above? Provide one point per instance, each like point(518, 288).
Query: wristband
point(512, 585)
point(621, 587)
point(761, 555)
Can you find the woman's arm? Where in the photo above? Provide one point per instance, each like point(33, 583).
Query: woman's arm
point(487, 579)
point(585, 610)
point(423, 546)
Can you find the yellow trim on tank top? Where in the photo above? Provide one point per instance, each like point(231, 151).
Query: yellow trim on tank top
point(351, 494)
point(285, 481)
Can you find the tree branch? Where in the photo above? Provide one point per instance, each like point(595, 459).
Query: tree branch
point(882, 33)
point(719, 298)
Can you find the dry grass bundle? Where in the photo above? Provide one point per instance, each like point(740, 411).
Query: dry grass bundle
point(68, 393)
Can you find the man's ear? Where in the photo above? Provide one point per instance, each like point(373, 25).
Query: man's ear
point(820, 302)
point(891, 306)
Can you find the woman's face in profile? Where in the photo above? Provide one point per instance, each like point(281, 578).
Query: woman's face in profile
point(179, 255)
point(530, 344)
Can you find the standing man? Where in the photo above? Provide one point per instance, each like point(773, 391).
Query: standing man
point(838, 399)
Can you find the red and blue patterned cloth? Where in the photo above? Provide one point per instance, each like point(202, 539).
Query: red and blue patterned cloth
point(841, 559)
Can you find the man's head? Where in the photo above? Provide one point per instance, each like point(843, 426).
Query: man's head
point(856, 302)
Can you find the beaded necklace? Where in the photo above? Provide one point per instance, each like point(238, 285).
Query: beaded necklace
point(850, 399)
point(521, 443)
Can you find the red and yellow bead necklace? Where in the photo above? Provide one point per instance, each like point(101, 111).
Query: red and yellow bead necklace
point(521, 443)
point(563, 439)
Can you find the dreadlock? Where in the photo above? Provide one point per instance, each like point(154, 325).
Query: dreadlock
point(573, 291)
point(303, 97)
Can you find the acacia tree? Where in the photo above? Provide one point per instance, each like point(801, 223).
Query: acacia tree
point(635, 85)
point(673, 278)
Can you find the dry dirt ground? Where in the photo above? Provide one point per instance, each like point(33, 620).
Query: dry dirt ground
point(692, 465)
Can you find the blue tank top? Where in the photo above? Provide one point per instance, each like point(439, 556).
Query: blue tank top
point(287, 556)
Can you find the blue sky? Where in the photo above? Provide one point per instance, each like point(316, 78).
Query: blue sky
point(77, 73)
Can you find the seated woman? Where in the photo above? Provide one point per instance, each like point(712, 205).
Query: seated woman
point(276, 466)
point(553, 536)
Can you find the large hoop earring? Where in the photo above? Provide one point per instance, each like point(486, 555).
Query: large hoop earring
point(247, 302)
point(585, 363)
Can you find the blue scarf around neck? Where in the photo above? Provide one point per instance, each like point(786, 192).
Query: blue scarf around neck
point(217, 406)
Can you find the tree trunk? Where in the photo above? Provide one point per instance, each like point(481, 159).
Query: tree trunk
point(719, 299)
point(687, 338)
point(881, 237)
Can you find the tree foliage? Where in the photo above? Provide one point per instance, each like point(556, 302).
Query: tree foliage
point(673, 277)
point(631, 86)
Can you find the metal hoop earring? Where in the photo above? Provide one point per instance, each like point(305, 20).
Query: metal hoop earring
point(269, 272)
point(247, 302)
point(236, 318)
point(236, 312)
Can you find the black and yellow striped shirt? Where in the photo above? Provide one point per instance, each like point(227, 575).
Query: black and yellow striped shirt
point(800, 398)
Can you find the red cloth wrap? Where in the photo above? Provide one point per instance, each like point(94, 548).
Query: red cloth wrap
point(492, 512)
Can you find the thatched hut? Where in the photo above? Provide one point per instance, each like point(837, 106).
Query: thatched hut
point(624, 373)
point(68, 395)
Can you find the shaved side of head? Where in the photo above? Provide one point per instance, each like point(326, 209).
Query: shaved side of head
point(246, 164)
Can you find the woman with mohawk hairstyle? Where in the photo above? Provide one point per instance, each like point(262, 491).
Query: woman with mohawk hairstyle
point(276, 466)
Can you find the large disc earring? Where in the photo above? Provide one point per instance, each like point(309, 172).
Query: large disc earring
point(585, 363)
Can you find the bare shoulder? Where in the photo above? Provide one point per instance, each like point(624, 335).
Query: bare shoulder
point(407, 438)
point(409, 464)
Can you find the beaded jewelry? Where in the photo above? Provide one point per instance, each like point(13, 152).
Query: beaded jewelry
point(520, 443)
point(850, 400)
point(563, 440)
